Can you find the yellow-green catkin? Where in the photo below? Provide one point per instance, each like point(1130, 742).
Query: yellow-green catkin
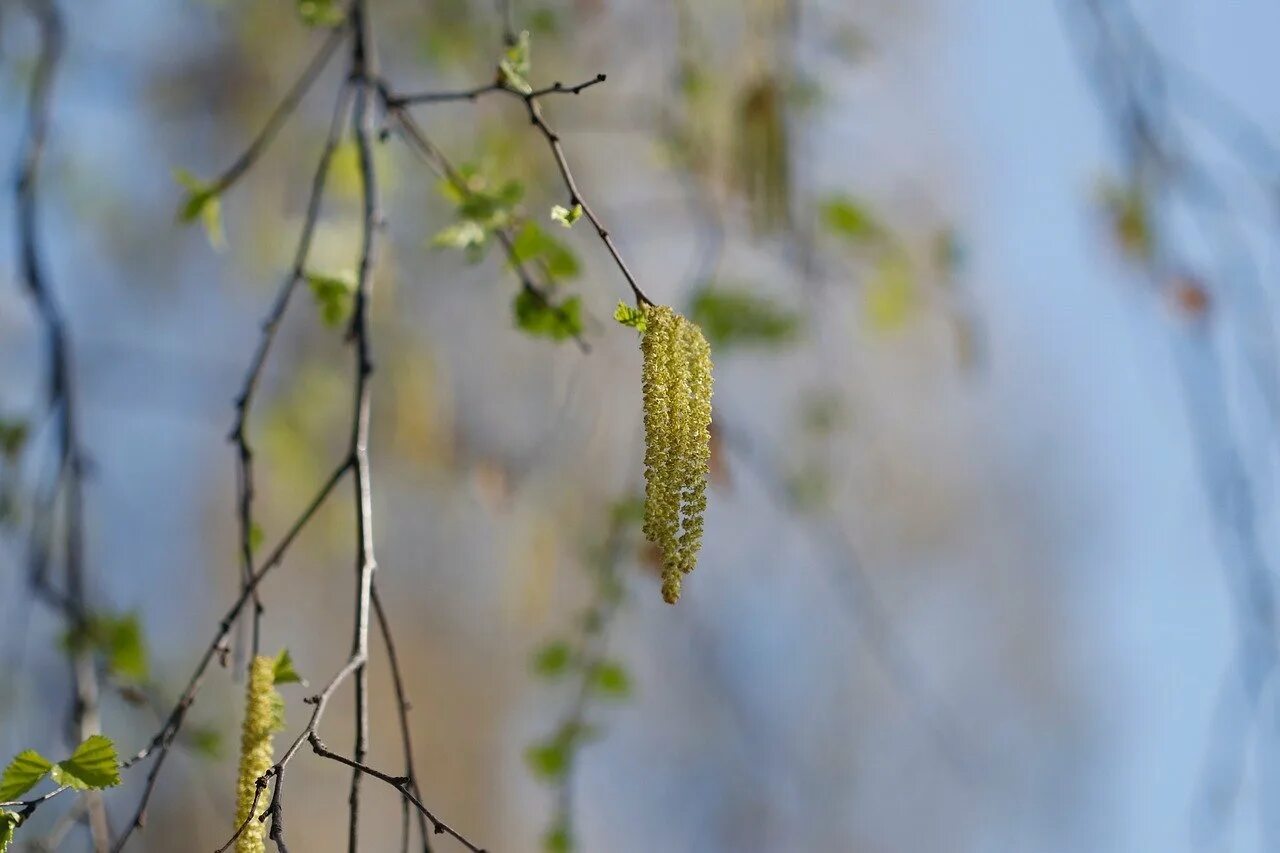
point(261, 719)
point(677, 385)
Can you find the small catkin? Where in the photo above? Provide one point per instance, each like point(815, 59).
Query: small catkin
point(261, 719)
point(677, 386)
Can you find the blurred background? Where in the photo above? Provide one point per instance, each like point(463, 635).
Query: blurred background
point(989, 554)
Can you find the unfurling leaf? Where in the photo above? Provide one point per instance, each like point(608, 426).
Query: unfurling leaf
point(9, 821)
point(514, 66)
point(23, 772)
point(540, 317)
point(566, 216)
point(93, 766)
point(284, 671)
point(202, 202)
point(628, 316)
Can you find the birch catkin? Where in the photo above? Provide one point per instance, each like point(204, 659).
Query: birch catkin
point(677, 384)
point(261, 720)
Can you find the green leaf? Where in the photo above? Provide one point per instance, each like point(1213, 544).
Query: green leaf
point(284, 671)
point(542, 318)
point(566, 216)
point(611, 680)
point(93, 766)
point(514, 66)
point(848, 217)
point(13, 435)
point(202, 202)
point(24, 771)
point(320, 13)
point(553, 659)
point(534, 244)
point(736, 317)
point(9, 821)
point(548, 760)
point(334, 295)
point(628, 316)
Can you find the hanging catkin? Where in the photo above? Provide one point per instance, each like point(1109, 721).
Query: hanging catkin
point(676, 382)
point(261, 720)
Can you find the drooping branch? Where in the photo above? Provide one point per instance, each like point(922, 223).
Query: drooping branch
point(67, 481)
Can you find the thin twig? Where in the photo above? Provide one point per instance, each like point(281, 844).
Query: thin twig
point(400, 783)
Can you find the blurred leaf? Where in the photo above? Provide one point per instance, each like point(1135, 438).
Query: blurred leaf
point(628, 316)
point(460, 235)
point(611, 680)
point(553, 659)
point(890, 296)
point(321, 13)
point(948, 251)
point(514, 66)
point(542, 318)
point(851, 219)
point(13, 435)
point(566, 216)
point(93, 766)
point(205, 740)
point(284, 672)
point(334, 295)
point(23, 772)
point(534, 244)
point(628, 510)
point(277, 712)
point(201, 202)
point(557, 840)
point(120, 640)
point(548, 760)
point(736, 317)
point(1127, 207)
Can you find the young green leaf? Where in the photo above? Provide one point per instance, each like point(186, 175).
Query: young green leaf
point(543, 318)
point(611, 680)
point(284, 671)
point(206, 740)
point(120, 639)
point(514, 66)
point(23, 772)
point(334, 295)
point(9, 821)
point(628, 316)
point(201, 202)
point(566, 216)
point(93, 766)
point(552, 659)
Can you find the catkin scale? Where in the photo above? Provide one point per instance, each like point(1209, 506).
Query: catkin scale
point(260, 722)
point(677, 385)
